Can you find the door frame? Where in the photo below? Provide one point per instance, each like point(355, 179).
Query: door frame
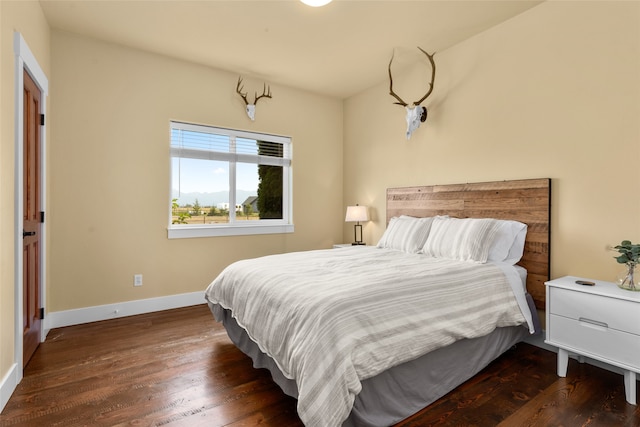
point(26, 61)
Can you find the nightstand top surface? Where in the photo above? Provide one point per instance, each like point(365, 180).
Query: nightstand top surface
point(601, 287)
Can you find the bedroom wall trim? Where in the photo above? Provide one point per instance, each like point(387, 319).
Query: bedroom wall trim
point(9, 384)
point(58, 319)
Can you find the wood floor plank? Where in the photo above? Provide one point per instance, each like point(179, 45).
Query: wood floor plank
point(179, 368)
point(588, 396)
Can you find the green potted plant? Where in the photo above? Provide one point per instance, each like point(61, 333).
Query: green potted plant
point(630, 256)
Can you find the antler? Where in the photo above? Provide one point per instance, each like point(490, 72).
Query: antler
point(266, 93)
point(391, 92)
point(433, 77)
point(239, 90)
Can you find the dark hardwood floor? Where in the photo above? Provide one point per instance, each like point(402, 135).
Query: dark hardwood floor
point(178, 368)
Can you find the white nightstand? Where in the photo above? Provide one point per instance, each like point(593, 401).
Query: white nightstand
point(346, 245)
point(601, 322)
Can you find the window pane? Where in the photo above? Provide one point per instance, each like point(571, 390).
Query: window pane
point(200, 189)
point(247, 191)
point(270, 192)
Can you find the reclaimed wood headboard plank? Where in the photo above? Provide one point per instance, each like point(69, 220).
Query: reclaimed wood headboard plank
point(527, 201)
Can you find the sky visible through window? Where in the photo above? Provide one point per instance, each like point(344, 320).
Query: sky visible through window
point(193, 175)
point(209, 176)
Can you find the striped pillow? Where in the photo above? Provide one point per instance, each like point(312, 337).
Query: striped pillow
point(467, 239)
point(406, 233)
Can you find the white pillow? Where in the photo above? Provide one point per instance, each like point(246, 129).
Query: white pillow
point(508, 245)
point(406, 233)
point(467, 239)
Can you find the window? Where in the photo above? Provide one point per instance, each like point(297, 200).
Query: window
point(228, 182)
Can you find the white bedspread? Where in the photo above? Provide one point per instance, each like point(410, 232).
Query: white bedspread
point(332, 318)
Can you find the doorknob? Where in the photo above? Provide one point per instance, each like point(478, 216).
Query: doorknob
point(28, 233)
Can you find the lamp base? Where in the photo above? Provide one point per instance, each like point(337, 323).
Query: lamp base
point(358, 241)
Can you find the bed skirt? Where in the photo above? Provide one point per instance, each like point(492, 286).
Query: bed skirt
point(397, 393)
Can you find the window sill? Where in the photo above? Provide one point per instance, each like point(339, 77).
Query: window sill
point(194, 231)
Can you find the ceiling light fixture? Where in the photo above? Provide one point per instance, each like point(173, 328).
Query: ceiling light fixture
point(315, 3)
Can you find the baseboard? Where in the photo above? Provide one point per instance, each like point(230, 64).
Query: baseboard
point(538, 341)
point(58, 319)
point(8, 385)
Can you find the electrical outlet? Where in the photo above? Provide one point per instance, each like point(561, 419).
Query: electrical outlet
point(137, 280)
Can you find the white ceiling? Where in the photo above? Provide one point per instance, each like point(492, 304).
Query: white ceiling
point(337, 50)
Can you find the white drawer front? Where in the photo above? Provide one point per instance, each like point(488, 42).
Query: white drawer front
point(617, 314)
point(597, 340)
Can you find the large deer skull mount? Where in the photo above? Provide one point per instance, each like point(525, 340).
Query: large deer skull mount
point(417, 113)
point(251, 108)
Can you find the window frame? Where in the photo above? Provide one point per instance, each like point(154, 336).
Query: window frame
point(234, 227)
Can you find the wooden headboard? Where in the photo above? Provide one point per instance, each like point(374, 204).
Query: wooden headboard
point(527, 201)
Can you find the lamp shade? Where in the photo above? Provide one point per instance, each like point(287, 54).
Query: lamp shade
point(356, 213)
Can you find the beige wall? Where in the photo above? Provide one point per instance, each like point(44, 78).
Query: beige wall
point(554, 92)
point(26, 18)
point(109, 171)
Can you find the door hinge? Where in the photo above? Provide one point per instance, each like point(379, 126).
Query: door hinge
point(42, 217)
point(41, 119)
point(41, 313)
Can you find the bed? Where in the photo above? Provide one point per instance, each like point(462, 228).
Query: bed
point(367, 336)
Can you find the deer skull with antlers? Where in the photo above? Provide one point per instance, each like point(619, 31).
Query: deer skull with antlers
point(417, 113)
point(251, 108)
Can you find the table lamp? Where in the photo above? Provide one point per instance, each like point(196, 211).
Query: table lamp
point(356, 214)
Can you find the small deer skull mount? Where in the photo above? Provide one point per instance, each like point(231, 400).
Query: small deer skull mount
point(251, 108)
point(417, 113)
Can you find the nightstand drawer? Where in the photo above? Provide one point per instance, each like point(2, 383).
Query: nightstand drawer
point(617, 314)
point(593, 339)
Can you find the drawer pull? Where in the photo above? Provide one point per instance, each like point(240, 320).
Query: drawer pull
point(595, 323)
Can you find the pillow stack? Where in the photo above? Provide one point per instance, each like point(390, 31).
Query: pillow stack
point(477, 240)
